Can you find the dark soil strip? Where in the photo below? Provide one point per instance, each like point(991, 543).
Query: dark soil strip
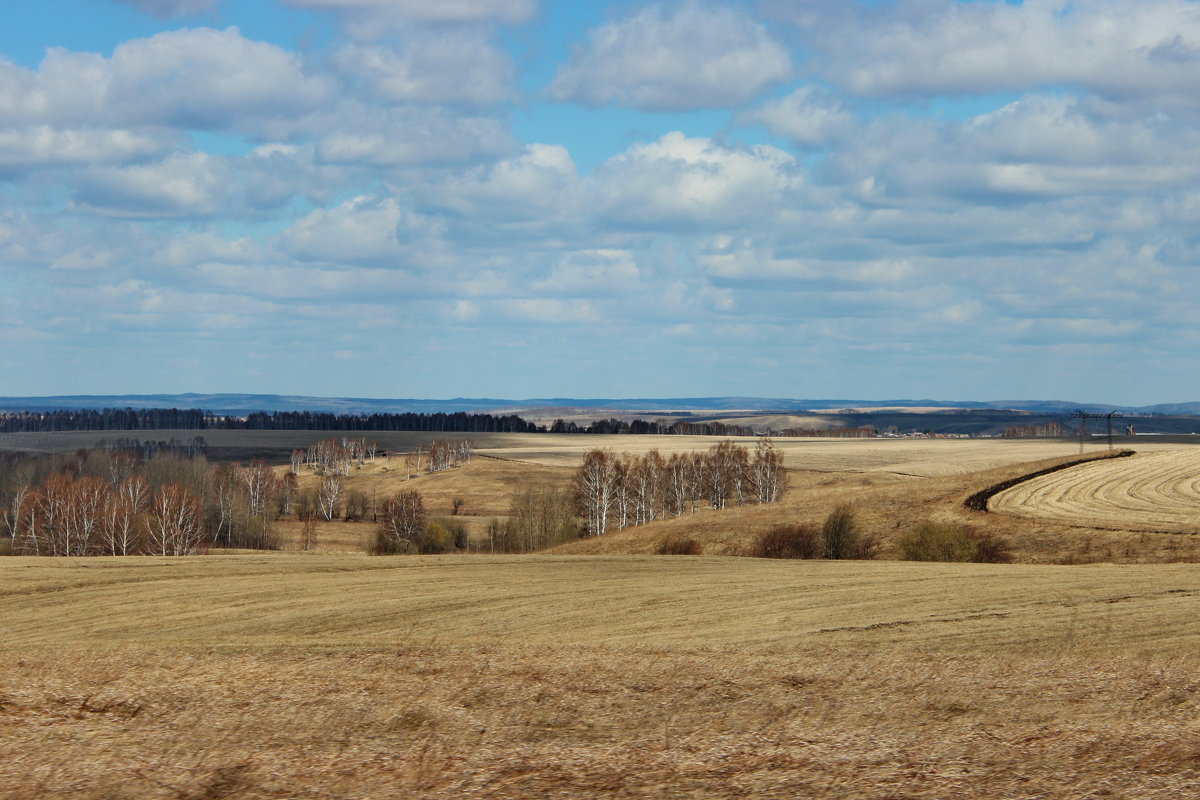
point(979, 500)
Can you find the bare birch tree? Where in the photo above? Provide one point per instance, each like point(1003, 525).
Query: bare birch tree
point(175, 525)
point(328, 495)
point(402, 522)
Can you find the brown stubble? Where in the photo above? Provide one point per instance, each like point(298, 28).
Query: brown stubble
point(355, 677)
point(518, 722)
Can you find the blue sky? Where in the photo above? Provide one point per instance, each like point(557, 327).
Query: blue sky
point(522, 198)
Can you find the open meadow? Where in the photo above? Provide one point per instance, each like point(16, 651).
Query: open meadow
point(599, 669)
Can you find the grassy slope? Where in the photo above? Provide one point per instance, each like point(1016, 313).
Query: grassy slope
point(859, 473)
point(886, 504)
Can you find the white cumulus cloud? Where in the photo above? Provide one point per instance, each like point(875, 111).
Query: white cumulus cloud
point(808, 117)
point(1146, 49)
point(678, 180)
point(451, 67)
point(663, 58)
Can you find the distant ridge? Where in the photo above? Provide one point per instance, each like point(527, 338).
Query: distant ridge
point(241, 404)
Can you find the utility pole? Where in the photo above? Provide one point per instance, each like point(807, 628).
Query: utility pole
point(1083, 417)
point(1110, 416)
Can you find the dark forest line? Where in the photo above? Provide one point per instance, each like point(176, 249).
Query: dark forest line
point(149, 419)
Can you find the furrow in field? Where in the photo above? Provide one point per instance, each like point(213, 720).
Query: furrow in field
point(1157, 491)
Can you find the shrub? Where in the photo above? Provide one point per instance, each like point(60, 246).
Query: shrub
point(434, 539)
point(456, 529)
point(842, 538)
point(384, 545)
point(789, 541)
point(679, 545)
point(991, 548)
point(931, 541)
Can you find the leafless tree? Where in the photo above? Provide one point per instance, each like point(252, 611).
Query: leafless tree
point(12, 514)
point(328, 495)
point(175, 524)
point(259, 484)
point(767, 475)
point(595, 488)
point(123, 515)
point(403, 521)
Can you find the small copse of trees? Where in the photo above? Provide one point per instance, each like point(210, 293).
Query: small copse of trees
point(614, 491)
point(99, 502)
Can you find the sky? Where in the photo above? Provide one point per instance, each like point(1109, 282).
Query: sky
point(567, 198)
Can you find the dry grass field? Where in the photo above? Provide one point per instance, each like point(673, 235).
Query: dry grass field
point(920, 457)
point(334, 675)
point(629, 677)
point(892, 485)
point(915, 457)
point(1156, 491)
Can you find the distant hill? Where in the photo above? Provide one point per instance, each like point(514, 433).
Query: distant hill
point(241, 404)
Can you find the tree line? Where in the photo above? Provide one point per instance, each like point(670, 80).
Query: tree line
point(859, 432)
point(106, 419)
point(614, 491)
point(641, 426)
point(140, 419)
point(99, 502)
point(131, 419)
point(458, 422)
point(1041, 430)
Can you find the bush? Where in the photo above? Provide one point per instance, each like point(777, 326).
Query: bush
point(384, 545)
point(841, 537)
point(789, 541)
point(992, 549)
point(434, 539)
point(678, 545)
point(456, 529)
point(931, 541)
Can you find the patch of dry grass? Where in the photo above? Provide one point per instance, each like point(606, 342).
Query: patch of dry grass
point(486, 485)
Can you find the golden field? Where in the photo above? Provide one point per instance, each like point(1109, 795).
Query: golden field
point(601, 670)
point(1155, 491)
point(440, 677)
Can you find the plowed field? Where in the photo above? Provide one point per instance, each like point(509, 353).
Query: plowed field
point(1157, 491)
